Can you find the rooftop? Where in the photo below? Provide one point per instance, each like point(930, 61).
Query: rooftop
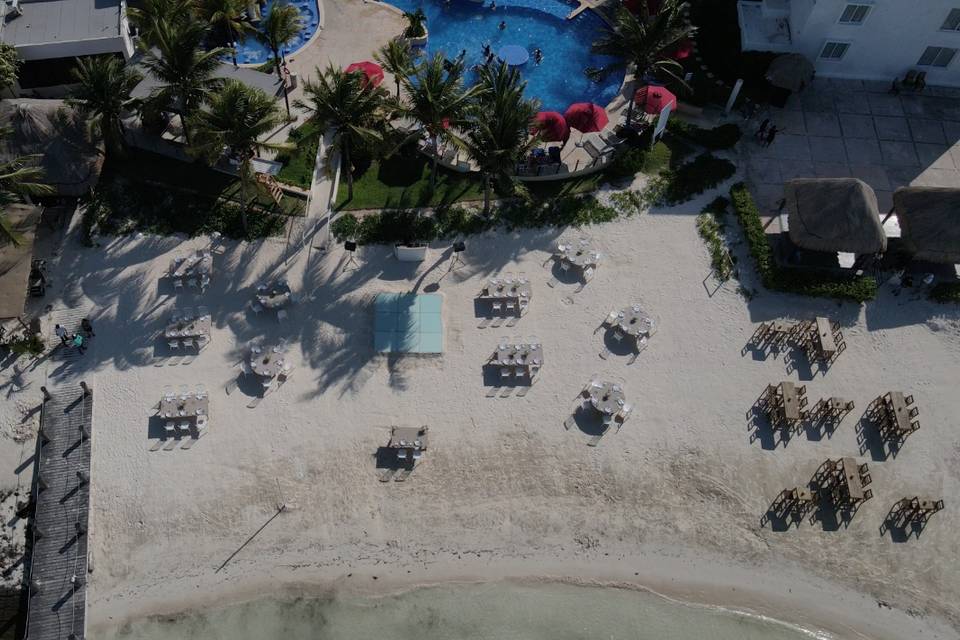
point(54, 21)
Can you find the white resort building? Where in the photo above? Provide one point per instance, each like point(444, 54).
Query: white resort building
point(863, 39)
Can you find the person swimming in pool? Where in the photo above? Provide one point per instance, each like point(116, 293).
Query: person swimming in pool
point(502, 25)
point(537, 55)
point(493, 5)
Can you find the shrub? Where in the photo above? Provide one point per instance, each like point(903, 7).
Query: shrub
point(631, 160)
point(345, 227)
point(945, 292)
point(808, 283)
point(710, 226)
point(723, 137)
point(31, 345)
point(674, 186)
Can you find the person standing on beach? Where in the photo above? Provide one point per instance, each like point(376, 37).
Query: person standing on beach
point(78, 343)
point(771, 136)
point(759, 135)
point(87, 328)
point(61, 333)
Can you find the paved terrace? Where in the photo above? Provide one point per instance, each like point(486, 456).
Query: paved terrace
point(842, 128)
point(58, 566)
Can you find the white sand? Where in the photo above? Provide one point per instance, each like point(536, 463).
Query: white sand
point(672, 501)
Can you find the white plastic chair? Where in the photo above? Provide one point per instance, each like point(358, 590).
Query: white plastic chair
point(617, 336)
point(281, 315)
point(187, 313)
point(416, 454)
point(183, 427)
point(255, 349)
point(511, 306)
point(506, 372)
point(401, 454)
point(267, 382)
point(201, 391)
point(169, 430)
point(498, 307)
point(565, 266)
point(255, 306)
point(173, 344)
point(588, 274)
point(202, 311)
point(177, 283)
point(261, 288)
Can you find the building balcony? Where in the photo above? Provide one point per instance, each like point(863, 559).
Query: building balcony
point(765, 25)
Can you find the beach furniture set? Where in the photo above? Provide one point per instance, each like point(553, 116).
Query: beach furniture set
point(820, 339)
point(192, 271)
point(579, 257)
point(518, 359)
point(273, 296)
point(505, 297)
point(605, 400)
point(184, 414)
point(911, 513)
point(188, 330)
point(629, 324)
point(894, 415)
point(268, 364)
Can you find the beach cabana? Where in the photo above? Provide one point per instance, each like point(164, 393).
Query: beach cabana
point(929, 222)
point(791, 71)
point(834, 215)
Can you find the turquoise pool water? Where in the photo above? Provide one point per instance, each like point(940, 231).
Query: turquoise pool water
point(468, 612)
point(558, 81)
point(252, 51)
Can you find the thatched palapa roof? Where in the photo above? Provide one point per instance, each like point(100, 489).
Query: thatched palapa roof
point(70, 160)
point(834, 215)
point(929, 222)
point(16, 253)
point(790, 71)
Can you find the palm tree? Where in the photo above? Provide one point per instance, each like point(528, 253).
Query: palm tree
point(185, 69)
point(278, 29)
point(20, 178)
point(396, 57)
point(9, 66)
point(499, 135)
point(226, 18)
point(153, 13)
point(642, 40)
point(439, 102)
point(355, 110)
point(103, 92)
point(236, 118)
point(416, 24)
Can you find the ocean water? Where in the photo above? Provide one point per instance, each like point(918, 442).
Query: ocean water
point(559, 81)
point(494, 611)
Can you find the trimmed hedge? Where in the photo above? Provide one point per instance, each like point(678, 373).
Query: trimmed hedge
point(946, 292)
point(704, 172)
point(809, 284)
point(710, 225)
point(723, 137)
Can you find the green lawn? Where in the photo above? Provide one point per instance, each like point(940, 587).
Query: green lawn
point(299, 163)
point(150, 192)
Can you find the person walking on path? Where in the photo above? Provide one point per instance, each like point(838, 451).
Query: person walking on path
point(78, 343)
point(771, 136)
point(61, 333)
point(87, 328)
point(759, 135)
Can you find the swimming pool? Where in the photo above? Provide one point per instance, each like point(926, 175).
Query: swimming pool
point(559, 81)
point(252, 51)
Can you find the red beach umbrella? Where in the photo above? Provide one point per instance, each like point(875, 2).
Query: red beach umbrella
point(372, 72)
point(551, 126)
point(683, 50)
point(654, 99)
point(586, 117)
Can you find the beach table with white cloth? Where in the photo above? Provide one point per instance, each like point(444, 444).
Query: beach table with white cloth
point(195, 265)
point(581, 255)
point(634, 322)
point(276, 295)
point(266, 363)
point(526, 355)
point(188, 406)
point(193, 328)
point(506, 289)
point(607, 397)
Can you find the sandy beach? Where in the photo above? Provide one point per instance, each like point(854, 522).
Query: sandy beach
point(672, 502)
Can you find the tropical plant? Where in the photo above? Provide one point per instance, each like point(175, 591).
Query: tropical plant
point(278, 29)
point(396, 57)
point(641, 41)
point(354, 109)
point(9, 65)
point(184, 68)
point(416, 24)
point(20, 178)
point(225, 17)
point(151, 14)
point(500, 133)
point(234, 121)
point(104, 85)
point(438, 101)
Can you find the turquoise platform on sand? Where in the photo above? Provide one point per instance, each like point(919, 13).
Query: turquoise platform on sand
point(408, 323)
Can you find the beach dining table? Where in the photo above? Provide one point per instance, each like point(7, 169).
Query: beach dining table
point(851, 479)
point(607, 397)
point(194, 328)
point(522, 354)
point(408, 438)
point(188, 406)
point(634, 322)
point(506, 289)
point(267, 363)
point(276, 295)
point(195, 265)
point(898, 411)
point(580, 256)
point(824, 333)
point(791, 401)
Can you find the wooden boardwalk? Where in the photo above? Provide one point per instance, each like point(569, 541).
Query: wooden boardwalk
point(61, 495)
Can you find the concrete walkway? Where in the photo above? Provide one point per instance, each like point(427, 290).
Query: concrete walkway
point(856, 128)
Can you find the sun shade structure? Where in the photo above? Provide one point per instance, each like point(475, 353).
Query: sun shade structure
point(372, 72)
point(70, 159)
point(408, 323)
point(654, 99)
point(791, 71)
point(929, 222)
point(551, 126)
point(514, 55)
point(834, 215)
point(586, 117)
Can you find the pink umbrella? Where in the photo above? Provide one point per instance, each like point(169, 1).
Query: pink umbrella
point(586, 117)
point(372, 72)
point(655, 99)
point(551, 126)
point(682, 50)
